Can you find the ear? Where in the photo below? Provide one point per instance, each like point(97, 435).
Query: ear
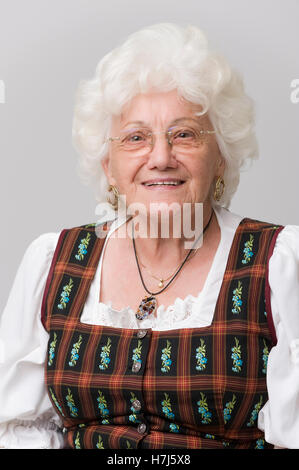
point(106, 165)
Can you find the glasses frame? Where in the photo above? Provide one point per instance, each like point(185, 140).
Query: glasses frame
point(168, 134)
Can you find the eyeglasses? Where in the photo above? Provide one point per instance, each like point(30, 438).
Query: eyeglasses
point(182, 139)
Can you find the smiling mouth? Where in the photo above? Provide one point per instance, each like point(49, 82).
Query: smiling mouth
point(163, 185)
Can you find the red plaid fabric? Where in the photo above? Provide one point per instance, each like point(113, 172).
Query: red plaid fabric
point(186, 388)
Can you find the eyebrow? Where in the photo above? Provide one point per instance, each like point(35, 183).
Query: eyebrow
point(175, 121)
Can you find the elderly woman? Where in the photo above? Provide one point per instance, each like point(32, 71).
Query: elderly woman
point(114, 340)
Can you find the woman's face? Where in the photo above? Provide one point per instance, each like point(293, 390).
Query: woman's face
point(198, 170)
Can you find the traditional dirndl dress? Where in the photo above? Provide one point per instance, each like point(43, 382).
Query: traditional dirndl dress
point(191, 388)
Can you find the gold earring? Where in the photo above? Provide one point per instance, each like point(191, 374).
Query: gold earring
point(116, 196)
point(219, 188)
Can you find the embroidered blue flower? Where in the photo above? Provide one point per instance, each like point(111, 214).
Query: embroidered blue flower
point(265, 357)
point(237, 302)
point(203, 409)
point(260, 444)
point(55, 401)
point(105, 359)
point(229, 406)
point(52, 350)
point(201, 356)
point(136, 356)
point(82, 248)
point(100, 443)
point(75, 352)
point(166, 408)
point(134, 415)
point(64, 296)
point(71, 404)
point(174, 427)
point(165, 357)
point(236, 357)
point(102, 405)
point(248, 253)
point(255, 412)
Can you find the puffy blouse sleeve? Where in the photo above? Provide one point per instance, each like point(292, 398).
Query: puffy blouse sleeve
point(27, 417)
point(279, 418)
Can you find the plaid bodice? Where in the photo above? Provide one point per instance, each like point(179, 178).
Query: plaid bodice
point(183, 388)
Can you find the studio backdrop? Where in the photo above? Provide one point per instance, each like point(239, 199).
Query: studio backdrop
point(46, 48)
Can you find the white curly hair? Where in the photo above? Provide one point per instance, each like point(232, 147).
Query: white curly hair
point(165, 56)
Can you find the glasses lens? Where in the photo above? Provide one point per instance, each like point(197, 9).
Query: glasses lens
point(186, 137)
point(134, 139)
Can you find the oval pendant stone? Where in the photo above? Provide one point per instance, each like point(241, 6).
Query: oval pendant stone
point(148, 305)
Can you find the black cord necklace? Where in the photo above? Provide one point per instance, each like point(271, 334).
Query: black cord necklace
point(148, 304)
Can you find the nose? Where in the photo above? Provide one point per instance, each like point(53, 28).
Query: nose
point(161, 154)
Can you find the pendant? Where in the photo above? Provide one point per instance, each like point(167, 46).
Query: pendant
point(148, 305)
point(161, 283)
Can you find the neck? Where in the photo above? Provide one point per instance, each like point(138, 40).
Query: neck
point(165, 253)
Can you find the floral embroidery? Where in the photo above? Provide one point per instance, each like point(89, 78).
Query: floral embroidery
point(236, 356)
point(201, 356)
point(237, 302)
point(133, 416)
point(225, 443)
point(52, 350)
point(90, 225)
point(255, 412)
point(265, 357)
point(64, 296)
point(82, 248)
point(166, 408)
point(71, 404)
point(229, 406)
point(260, 444)
point(137, 352)
point(103, 407)
point(174, 427)
point(75, 352)
point(210, 436)
point(203, 409)
point(77, 441)
point(55, 401)
point(105, 359)
point(248, 250)
point(166, 361)
point(128, 445)
point(100, 443)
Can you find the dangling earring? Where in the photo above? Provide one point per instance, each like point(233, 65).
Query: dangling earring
point(116, 196)
point(219, 188)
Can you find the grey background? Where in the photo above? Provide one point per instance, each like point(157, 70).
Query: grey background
point(46, 47)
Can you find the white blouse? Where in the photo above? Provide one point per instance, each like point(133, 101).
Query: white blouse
point(27, 417)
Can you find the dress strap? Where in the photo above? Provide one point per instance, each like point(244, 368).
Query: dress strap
point(72, 269)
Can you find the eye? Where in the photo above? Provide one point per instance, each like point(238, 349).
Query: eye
point(135, 137)
point(184, 134)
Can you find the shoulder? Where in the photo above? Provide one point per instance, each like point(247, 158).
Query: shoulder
point(42, 246)
point(287, 242)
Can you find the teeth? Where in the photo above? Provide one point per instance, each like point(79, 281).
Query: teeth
point(172, 183)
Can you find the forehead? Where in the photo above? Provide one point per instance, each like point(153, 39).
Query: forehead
point(155, 108)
